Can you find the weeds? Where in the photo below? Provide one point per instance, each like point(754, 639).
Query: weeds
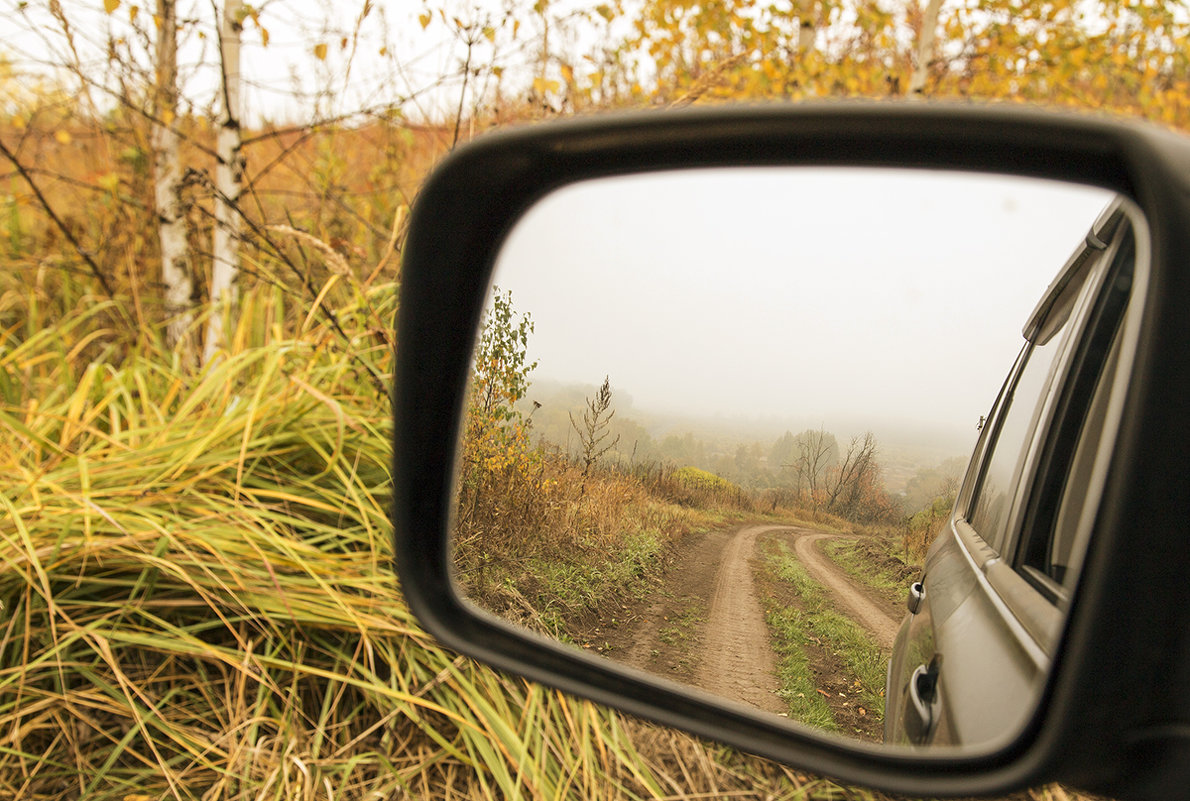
point(924, 527)
point(798, 688)
point(546, 550)
point(683, 627)
point(872, 562)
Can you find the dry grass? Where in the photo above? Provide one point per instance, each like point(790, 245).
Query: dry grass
point(542, 542)
point(198, 600)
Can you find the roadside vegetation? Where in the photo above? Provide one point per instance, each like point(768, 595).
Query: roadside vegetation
point(553, 541)
point(875, 563)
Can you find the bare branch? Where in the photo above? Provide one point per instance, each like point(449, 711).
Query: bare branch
point(44, 202)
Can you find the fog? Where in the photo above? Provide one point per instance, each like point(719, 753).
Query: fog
point(793, 296)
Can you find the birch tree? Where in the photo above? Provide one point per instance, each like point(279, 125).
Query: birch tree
point(229, 171)
point(177, 274)
point(805, 26)
point(925, 48)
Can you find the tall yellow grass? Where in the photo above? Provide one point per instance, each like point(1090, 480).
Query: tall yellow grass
point(197, 596)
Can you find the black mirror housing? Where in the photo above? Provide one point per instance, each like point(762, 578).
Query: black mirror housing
point(1117, 706)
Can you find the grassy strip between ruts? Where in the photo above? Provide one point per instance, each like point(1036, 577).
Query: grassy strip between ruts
point(811, 623)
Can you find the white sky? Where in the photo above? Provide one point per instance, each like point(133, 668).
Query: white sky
point(381, 58)
point(793, 293)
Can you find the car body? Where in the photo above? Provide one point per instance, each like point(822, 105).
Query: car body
point(986, 616)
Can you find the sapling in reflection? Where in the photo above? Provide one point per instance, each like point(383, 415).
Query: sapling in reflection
point(594, 430)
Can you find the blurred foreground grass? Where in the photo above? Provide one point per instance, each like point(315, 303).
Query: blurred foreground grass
point(197, 597)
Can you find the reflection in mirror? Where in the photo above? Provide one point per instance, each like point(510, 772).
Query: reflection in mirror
point(718, 417)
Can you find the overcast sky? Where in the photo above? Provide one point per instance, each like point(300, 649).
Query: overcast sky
point(372, 60)
point(793, 293)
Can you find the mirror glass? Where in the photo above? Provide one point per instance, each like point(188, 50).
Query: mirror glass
point(718, 417)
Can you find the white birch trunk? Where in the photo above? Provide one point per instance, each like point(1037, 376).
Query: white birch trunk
point(925, 48)
point(229, 173)
point(176, 272)
point(807, 33)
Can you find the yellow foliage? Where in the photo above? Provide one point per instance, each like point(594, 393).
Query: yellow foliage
point(109, 181)
point(1119, 56)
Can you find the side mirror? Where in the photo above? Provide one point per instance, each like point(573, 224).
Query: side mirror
point(1019, 661)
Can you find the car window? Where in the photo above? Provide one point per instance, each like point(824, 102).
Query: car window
point(985, 441)
point(1011, 437)
point(1053, 533)
point(1051, 418)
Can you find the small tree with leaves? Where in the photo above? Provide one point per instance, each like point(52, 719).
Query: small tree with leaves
point(496, 441)
point(593, 432)
point(502, 363)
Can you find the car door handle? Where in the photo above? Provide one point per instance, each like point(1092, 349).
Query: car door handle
point(917, 594)
point(920, 710)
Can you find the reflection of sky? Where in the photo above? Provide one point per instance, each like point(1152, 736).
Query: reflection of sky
point(794, 293)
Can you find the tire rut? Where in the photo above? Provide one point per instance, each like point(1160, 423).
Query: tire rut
point(738, 661)
point(854, 602)
point(705, 625)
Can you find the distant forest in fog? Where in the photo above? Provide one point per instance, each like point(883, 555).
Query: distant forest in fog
point(915, 464)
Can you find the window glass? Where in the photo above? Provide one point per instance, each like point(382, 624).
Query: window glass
point(986, 433)
point(1049, 553)
point(1050, 550)
point(1016, 424)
